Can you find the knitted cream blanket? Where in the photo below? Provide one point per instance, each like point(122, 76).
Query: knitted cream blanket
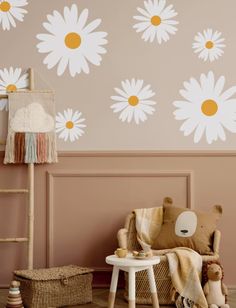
point(185, 267)
point(148, 225)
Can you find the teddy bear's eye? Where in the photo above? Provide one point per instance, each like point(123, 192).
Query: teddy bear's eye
point(201, 226)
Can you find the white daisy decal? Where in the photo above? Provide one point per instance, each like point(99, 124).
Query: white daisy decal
point(11, 10)
point(133, 101)
point(70, 42)
point(10, 81)
point(156, 21)
point(209, 45)
point(70, 125)
point(206, 108)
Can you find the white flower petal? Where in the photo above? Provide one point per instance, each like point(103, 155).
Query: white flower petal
point(74, 129)
point(146, 24)
point(208, 52)
point(7, 18)
point(199, 132)
point(227, 94)
point(139, 111)
point(207, 108)
point(71, 43)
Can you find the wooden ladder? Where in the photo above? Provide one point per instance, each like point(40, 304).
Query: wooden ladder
point(30, 238)
point(30, 192)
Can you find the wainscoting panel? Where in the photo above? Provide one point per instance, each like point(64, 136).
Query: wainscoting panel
point(81, 202)
point(88, 207)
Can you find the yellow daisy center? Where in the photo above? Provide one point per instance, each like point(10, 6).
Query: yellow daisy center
point(209, 107)
point(72, 40)
point(5, 6)
point(133, 100)
point(156, 20)
point(11, 88)
point(209, 44)
point(69, 124)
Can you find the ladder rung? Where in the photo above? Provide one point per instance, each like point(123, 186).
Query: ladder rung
point(14, 191)
point(14, 240)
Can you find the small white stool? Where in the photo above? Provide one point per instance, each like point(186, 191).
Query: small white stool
point(132, 265)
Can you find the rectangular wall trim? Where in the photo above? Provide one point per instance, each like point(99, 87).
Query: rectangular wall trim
point(188, 175)
point(147, 153)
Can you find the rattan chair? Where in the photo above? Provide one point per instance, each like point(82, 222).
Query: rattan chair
point(127, 238)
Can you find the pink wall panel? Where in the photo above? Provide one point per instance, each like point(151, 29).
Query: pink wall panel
point(82, 201)
point(88, 209)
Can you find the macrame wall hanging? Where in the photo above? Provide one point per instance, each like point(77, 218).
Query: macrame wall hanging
point(31, 128)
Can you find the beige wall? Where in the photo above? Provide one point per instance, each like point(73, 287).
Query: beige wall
point(89, 195)
point(82, 202)
point(165, 67)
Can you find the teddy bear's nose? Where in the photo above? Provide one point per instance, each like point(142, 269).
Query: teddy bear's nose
point(217, 273)
point(184, 231)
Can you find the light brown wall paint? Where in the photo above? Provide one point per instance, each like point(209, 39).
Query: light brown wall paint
point(106, 202)
point(92, 194)
point(165, 67)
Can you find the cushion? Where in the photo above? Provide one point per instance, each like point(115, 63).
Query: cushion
point(183, 227)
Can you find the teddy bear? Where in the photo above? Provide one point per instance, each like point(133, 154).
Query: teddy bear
point(214, 289)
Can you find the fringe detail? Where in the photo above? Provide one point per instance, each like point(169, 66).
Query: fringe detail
point(30, 148)
point(10, 149)
point(51, 148)
point(41, 148)
point(19, 147)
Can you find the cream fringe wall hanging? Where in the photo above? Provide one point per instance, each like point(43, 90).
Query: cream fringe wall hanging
point(31, 128)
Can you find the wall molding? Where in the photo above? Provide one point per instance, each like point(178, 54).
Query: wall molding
point(149, 153)
point(50, 176)
point(146, 153)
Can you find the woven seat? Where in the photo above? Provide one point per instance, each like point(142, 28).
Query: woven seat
point(127, 238)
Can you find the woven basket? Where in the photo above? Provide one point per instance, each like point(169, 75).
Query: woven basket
point(55, 287)
point(161, 271)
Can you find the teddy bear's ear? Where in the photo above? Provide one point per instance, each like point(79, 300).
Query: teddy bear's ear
point(167, 201)
point(218, 210)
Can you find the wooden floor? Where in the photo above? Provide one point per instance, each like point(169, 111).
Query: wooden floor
point(100, 300)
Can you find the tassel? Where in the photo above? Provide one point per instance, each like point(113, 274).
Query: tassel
point(30, 148)
point(19, 147)
point(41, 148)
point(10, 149)
point(51, 148)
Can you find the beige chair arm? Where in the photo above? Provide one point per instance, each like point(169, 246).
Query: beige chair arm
point(122, 238)
point(127, 220)
point(216, 242)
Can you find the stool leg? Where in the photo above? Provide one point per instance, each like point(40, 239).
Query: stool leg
point(153, 288)
point(131, 288)
point(113, 287)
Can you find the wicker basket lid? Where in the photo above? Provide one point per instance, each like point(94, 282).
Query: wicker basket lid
point(53, 273)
